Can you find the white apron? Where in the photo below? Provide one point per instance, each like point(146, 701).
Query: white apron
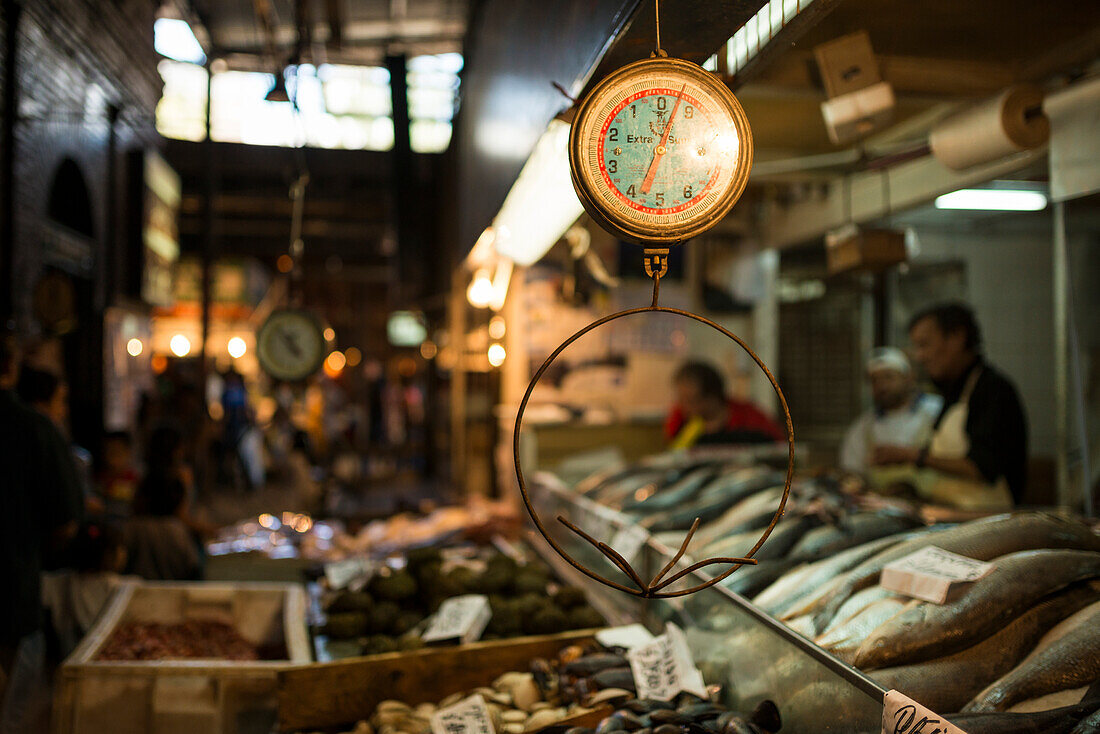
point(949, 441)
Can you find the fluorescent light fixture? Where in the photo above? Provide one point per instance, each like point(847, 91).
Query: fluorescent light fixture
point(1004, 200)
point(174, 39)
point(542, 203)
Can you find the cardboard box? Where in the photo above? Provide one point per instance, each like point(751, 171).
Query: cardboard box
point(853, 248)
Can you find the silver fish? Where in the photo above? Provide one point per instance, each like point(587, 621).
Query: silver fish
point(983, 540)
point(746, 511)
point(805, 597)
point(857, 603)
point(846, 638)
point(1067, 657)
point(1017, 583)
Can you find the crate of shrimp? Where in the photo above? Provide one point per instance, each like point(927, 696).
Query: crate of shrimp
point(183, 657)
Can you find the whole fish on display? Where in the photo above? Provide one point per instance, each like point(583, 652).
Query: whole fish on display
point(844, 640)
point(982, 540)
point(949, 683)
point(856, 603)
point(849, 532)
point(717, 497)
point(1018, 581)
point(751, 579)
point(672, 495)
point(1067, 657)
point(751, 513)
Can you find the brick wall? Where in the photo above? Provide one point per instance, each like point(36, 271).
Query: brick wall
point(87, 86)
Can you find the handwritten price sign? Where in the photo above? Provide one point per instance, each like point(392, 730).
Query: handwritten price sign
point(663, 668)
point(903, 715)
point(468, 716)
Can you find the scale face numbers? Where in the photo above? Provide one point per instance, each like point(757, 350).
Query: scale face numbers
point(660, 151)
point(290, 345)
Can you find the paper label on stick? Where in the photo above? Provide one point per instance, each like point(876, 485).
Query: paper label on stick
point(663, 668)
point(629, 542)
point(468, 716)
point(629, 636)
point(354, 572)
point(903, 715)
point(929, 573)
point(461, 617)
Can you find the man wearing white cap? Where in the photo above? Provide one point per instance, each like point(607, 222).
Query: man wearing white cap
point(901, 415)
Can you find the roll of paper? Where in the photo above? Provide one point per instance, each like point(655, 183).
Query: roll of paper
point(1009, 123)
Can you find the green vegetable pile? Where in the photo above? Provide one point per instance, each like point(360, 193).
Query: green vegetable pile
point(386, 616)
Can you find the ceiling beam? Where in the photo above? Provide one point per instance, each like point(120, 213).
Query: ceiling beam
point(868, 195)
point(796, 71)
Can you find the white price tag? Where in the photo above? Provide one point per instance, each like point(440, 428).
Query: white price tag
point(929, 573)
point(468, 716)
point(462, 617)
point(903, 715)
point(629, 542)
point(628, 636)
point(664, 667)
point(355, 571)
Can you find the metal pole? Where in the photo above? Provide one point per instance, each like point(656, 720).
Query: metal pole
point(209, 185)
point(1061, 334)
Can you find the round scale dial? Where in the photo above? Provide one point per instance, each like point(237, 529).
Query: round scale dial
point(660, 151)
point(290, 345)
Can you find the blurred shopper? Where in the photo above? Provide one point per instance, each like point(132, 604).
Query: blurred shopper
point(49, 395)
point(117, 481)
point(901, 415)
point(704, 414)
point(159, 537)
point(977, 456)
point(243, 440)
point(43, 505)
point(74, 598)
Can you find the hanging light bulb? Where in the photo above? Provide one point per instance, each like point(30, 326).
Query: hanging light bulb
point(496, 355)
point(480, 293)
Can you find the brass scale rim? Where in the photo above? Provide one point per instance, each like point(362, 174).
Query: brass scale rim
point(658, 234)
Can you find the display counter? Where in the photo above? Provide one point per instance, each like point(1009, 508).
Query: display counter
point(735, 644)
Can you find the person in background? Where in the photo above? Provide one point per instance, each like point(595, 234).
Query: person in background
point(901, 415)
point(49, 395)
point(159, 539)
point(704, 414)
point(43, 505)
point(977, 456)
point(74, 598)
point(118, 479)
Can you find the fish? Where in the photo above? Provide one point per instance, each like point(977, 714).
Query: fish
point(856, 603)
point(1067, 657)
point(789, 599)
point(1090, 724)
point(785, 533)
point(802, 625)
point(1017, 582)
point(1056, 721)
point(750, 513)
point(672, 495)
point(849, 532)
point(982, 540)
point(707, 508)
point(844, 640)
point(1050, 701)
point(750, 579)
point(949, 683)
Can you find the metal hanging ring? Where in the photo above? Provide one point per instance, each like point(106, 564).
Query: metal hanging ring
point(657, 587)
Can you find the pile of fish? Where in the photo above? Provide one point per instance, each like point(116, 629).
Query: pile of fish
point(1019, 648)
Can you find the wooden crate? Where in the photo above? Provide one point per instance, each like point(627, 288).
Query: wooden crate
point(170, 696)
point(343, 692)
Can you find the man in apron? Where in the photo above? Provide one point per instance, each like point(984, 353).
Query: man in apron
point(901, 416)
point(977, 456)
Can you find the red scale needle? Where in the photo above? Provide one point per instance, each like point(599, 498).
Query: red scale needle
point(659, 152)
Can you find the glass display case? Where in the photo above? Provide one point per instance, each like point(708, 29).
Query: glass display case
point(748, 653)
